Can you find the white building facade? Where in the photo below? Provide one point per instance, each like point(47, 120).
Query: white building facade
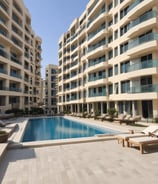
point(108, 58)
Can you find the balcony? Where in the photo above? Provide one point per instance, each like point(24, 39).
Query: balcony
point(143, 39)
point(91, 35)
point(144, 17)
point(142, 44)
point(15, 89)
point(13, 74)
point(3, 53)
point(2, 70)
point(137, 6)
point(133, 5)
point(15, 60)
point(100, 16)
point(140, 66)
point(150, 88)
point(92, 7)
point(92, 79)
point(4, 8)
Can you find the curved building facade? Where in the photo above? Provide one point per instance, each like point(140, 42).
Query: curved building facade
point(108, 58)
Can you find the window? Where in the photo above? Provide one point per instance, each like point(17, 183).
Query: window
point(110, 54)
point(116, 18)
point(116, 51)
point(124, 12)
point(123, 47)
point(53, 71)
point(116, 34)
point(110, 89)
point(124, 29)
point(125, 86)
point(110, 6)
point(110, 39)
point(110, 72)
point(115, 3)
point(53, 78)
point(116, 69)
point(116, 88)
point(124, 66)
point(146, 61)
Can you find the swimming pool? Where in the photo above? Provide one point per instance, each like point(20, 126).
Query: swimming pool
point(59, 128)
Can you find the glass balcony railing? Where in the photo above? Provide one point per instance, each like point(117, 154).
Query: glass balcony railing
point(97, 94)
point(15, 75)
point(2, 70)
point(2, 32)
point(143, 65)
point(74, 63)
point(17, 42)
point(15, 89)
point(96, 78)
point(95, 3)
point(95, 17)
point(4, 7)
point(144, 88)
point(96, 46)
point(133, 5)
point(73, 86)
point(143, 39)
point(91, 35)
point(143, 18)
point(73, 98)
point(96, 61)
point(14, 59)
point(3, 53)
point(2, 21)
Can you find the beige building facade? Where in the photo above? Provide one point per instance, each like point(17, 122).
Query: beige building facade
point(108, 58)
point(20, 58)
point(50, 89)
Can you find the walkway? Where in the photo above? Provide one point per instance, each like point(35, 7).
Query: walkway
point(104, 162)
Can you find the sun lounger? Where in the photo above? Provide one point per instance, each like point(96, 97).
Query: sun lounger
point(9, 128)
point(142, 142)
point(130, 120)
point(125, 137)
point(120, 117)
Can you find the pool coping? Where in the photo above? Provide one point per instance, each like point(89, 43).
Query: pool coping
point(15, 140)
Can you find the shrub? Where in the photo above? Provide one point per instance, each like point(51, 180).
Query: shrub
point(111, 112)
point(156, 120)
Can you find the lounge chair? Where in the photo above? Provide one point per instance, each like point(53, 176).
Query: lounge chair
point(142, 142)
point(9, 128)
point(125, 137)
point(101, 116)
point(2, 124)
point(120, 117)
point(131, 120)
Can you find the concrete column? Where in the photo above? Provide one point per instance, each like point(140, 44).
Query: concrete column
point(93, 108)
point(155, 108)
point(108, 105)
point(133, 108)
point(101, 107)
point(116, 106)
point(87, 107)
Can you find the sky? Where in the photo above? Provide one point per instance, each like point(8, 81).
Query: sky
point(49, 20)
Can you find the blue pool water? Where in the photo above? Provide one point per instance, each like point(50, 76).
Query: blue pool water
point(59, 128)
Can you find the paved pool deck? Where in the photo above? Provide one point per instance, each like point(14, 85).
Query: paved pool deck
point(101, 162)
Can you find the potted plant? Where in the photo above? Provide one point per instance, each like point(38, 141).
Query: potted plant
point(3, 136)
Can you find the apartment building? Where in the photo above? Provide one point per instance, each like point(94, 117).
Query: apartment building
point(20, 58)
point(108, 58)
point(50, 89)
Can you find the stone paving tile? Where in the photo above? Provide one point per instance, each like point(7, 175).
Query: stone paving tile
point(104, 162)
